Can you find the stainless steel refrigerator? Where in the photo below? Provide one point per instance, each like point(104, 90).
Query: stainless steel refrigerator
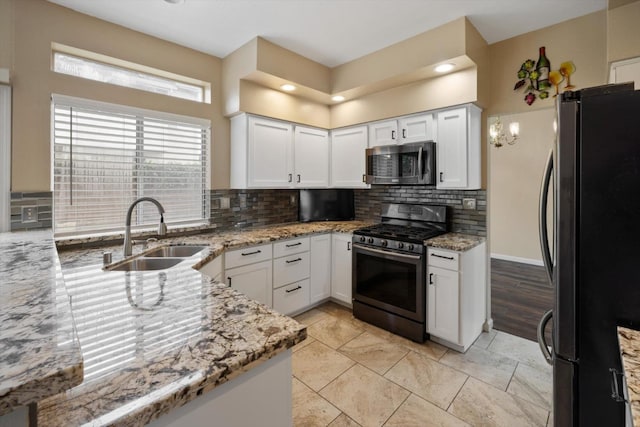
point(593, 178)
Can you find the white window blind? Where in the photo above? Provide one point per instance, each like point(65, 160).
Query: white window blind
point(105, 156)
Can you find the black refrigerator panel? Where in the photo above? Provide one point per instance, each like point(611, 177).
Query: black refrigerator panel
point(564, 393)
point(607, 276)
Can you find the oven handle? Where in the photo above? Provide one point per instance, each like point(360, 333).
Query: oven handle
point(396, 254)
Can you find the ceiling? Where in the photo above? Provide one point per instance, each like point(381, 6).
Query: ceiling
point(330, 32)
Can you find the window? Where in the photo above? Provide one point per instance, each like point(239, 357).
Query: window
point(105, 156)
point(101, 68)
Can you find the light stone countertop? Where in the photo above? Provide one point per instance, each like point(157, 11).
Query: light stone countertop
point(630, 349)
point(151, 341)
point(455, 242)
point(39, 351)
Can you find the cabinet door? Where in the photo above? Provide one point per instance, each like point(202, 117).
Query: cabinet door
point(311, 157)
point(253, 280)
point(269, 154)
point(341, 267)
point(348, 157)
point(443, 303)
point(452, 149)
point(416, 129)
point(383, 133)
point(320, 277)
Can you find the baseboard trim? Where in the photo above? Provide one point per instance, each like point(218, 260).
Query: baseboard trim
point(530, 261)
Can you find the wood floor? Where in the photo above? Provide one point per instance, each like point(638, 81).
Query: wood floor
point(520, 294)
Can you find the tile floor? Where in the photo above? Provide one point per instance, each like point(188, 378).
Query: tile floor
point(350, 373)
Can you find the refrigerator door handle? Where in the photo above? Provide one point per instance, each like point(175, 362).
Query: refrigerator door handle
point(542, 341)
point(542, 218)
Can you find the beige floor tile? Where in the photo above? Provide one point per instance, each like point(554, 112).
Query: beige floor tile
point(520, 349)
point(492, 368)
point(310, 317)
point(485, 339)
point(309, 409)
point(375, 353)
point(343, 421)
point(417, 412)
point(366, 397)
point(333, 331)
point(533, 385)
point(317, 365)
point(480, 404)
point(427, 378)
point(429, 348)
point(336, 309)
point(303, 344)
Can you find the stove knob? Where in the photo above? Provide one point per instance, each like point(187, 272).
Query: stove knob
point(411, 247)
point(362, 239)
point(400, 245)
point(383, 243)
point(370, 240)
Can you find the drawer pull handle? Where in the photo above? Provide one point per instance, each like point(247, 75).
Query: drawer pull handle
point(229, 279)
point(441, 180)
point(290, 176)
point(404, 133)
point(293, 260)
point(293, 244)
point(442, 256)
point(431, 278)
point(393, 134)
point(294, 289)
point(251, 253)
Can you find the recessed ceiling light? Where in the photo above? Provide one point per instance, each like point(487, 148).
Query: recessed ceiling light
point(174, 1)
point(443, 68)
point(337, 98)
point(288, 87)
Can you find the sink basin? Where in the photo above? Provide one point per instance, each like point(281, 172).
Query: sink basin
point(176, 251)
point(147, 264)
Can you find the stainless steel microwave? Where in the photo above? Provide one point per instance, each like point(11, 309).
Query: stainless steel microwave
point(406, 164)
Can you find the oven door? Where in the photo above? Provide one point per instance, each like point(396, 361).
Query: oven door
point(391, 281)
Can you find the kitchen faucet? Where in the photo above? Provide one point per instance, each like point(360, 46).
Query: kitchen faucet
point(162, 228)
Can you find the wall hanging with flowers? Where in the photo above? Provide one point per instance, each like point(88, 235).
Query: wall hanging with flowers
point(537, 78)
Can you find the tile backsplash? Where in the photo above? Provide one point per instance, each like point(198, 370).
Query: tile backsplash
point(469, 221)
point(248, 208)
point(41, 202)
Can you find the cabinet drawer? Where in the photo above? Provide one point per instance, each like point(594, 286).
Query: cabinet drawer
point(291, 298)
point(289, 269)
point(247, 255)
point(289, 247)
point(443, 258)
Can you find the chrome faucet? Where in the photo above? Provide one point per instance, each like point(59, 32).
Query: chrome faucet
point(162, 228)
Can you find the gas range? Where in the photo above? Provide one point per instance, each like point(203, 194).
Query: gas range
point(404, 227)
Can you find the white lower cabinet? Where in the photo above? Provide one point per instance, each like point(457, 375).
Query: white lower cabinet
point(341, 267)
point(291, 275)
point(291, 298)
point(253, 280)
point(320, 274)
point(456, 290)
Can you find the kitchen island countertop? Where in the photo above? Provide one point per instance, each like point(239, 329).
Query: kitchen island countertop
point(630, 349)
point(455, 241)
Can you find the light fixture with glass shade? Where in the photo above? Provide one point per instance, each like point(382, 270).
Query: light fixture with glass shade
point(498, 138)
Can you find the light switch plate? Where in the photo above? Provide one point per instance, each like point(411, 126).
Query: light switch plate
point(468, 203)
point(29, 214)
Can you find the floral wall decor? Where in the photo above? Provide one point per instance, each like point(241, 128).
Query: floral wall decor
point(537, 78)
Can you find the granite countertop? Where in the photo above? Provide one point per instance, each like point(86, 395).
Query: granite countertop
point(630, 348)
point(39, 350)
point(455, 242)
point(151, 341)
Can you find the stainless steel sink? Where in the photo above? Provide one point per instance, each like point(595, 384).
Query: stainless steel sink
point(175, 251)
point(147, 264)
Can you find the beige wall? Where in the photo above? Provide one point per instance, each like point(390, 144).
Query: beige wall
point(514, 183)
point(623, 32)
point(582, 40)
point(39, 23)
point(6, 34)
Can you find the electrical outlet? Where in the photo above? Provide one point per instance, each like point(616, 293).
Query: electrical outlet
point(29, 214)
point(468, 203)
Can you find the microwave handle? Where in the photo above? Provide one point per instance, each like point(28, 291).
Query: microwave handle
point(420, 162)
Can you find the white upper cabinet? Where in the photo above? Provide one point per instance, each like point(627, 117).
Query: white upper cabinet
point(348, 160)
point(402, 130)
point(416, 128)
point(311, 157)
point(268, 153)
point(383, 133)
point(458, 148)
